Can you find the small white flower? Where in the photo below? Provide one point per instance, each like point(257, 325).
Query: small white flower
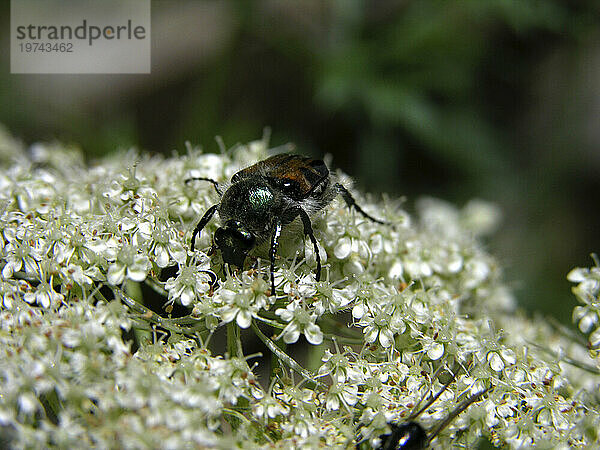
point(44, 295)
point(340, 369)
point(20, 255)
point(300, 321)
point(269, 408)
point(341, 394)
point(380, 328)
point(190, 283)
point(237, 306)
point(129, 263)
point(167, 247)
point(74, 273)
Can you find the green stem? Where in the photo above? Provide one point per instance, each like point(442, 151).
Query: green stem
point(273, 323)
point(156, 287)
point(284, 357)
point(234, 342)
point(342, 340)
point(234, 348)
point(239, 416)
point(567, 359)
point(332, 324)
point(275, 361)
point(149, 315)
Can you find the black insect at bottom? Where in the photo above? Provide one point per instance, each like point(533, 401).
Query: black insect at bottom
point(410, 435)
point(406, 436)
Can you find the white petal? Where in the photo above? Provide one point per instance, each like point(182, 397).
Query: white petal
point(339, 298)
point(351, 394)
point(7, 271)
point(577, 275)
point(371, 334)
point(436, 351)
point(343, 248)
point(244, 319)
point(43, 298)
point(291, 336)
point(396, 270)
point(353, 267)
point(178, 253)
point(187, 296)
point(496, 362)
point(587, 322)
point(594, 338)
point(313, 334)
point(27, 403)
point(560, 421)
point(509, 356)
point(12, 267)
point(455, 264)
point(162, 256)
point(137, 272)
point(386, 338)
point(228, 314)
point(116, 274)
point(333, 403)
point(285, 314)
point(425, 269)
point(359, 310)
point(397, 324)
point(544, 417)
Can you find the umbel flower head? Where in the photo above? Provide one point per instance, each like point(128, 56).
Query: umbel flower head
point(110, 324)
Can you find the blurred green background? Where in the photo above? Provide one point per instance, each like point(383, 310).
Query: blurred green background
point(494, 99)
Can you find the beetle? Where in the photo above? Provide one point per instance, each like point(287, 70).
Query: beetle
point(263, 198)
point(410, 435)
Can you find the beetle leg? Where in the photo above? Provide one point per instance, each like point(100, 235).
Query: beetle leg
point(309, 231)
point(210, 180)
point(352, 203)
point(205, 218)
point(274, 244)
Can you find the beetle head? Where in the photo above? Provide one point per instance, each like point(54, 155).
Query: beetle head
point(234, 241)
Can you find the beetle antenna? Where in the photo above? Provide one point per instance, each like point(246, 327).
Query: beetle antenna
point(458, 410)
point(216, 184)
point(436, 396)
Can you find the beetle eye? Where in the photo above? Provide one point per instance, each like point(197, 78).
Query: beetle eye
point(245, 238)
point(220, 238)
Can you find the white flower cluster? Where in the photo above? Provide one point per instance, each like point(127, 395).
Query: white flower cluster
point(587, 291)
point(69, 380)
point(402, 312)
